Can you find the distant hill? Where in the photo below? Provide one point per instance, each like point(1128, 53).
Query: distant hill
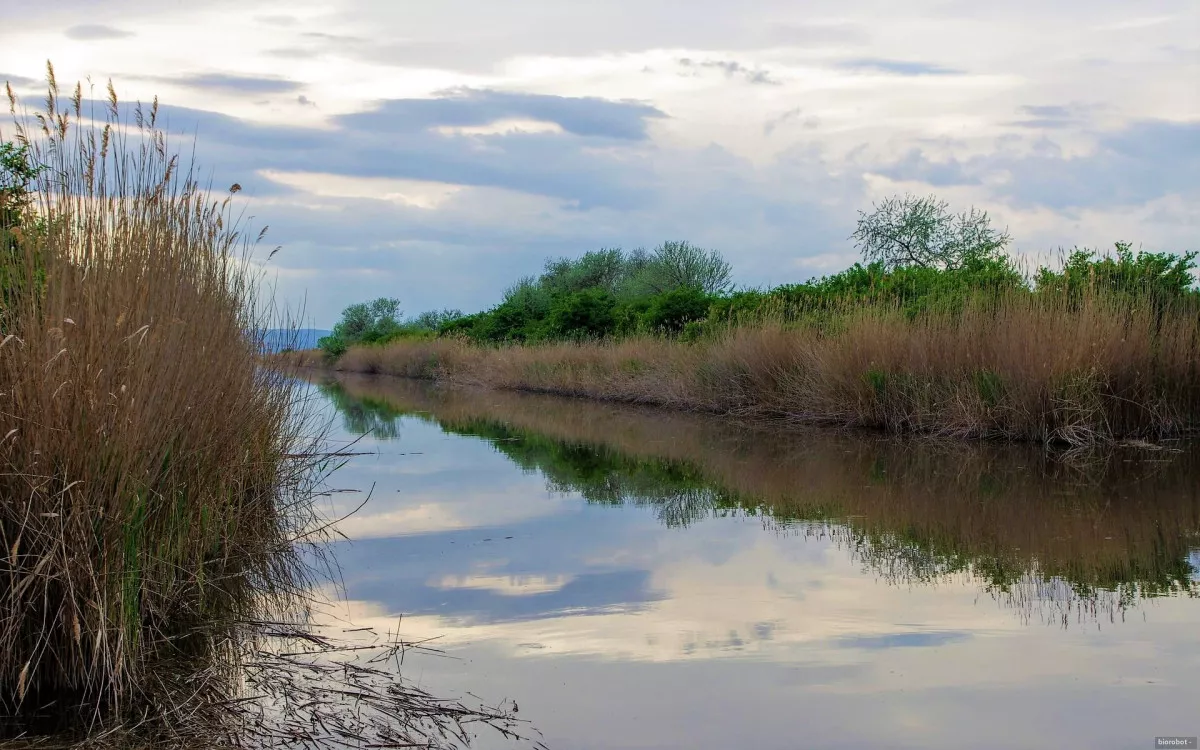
point(278, 339)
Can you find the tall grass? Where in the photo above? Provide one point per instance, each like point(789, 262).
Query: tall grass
point(1044, 368)
point(151, 473)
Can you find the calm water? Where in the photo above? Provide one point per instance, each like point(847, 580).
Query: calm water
point(638, 579)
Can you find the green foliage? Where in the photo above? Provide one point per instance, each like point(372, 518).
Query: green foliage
point(922, 231)
point(519, 317)
point(990, 387)
point(334, 346)
point(605, 269)
point(589, 313)
point(363, 323)
point(679, 265)
point(918, 258)
point(1163, 276)
point(602, 293)
point(912, 289)
point(17, 173)
point(432, 321)
point(671, 311)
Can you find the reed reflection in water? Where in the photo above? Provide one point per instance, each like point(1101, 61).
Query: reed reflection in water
point(1065, 540)
point(619, 571)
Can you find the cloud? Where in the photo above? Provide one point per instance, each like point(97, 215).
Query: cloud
point(17, 81)
point(897, 67)
point(1054, 116)
point(600, 158)
point(783, 118)
point(277, 20)
point(583, 116)
point(326, 37)
point(810, 35)
point(1137, 164)
point(96, 31)
point(231, 83)
point(733, 68)
point(1054, 111)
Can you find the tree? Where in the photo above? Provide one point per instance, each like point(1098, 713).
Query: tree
point(586, 313)
point(603, 268)
point(922, 231)
point(363, 323)
point(671, 311)
point(433, 320)
point(1162, 276)
point(679, 265)
point(17, 173)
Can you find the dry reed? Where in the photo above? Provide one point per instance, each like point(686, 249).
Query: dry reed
point(153, 473)
point(1027, 367)
point(158, 530)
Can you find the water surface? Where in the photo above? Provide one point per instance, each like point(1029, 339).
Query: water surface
point(642, 579)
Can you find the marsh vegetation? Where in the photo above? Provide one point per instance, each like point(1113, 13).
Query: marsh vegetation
point(159, 514)
point(938, 331)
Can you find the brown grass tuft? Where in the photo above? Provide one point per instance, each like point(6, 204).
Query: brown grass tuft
point(148, 479)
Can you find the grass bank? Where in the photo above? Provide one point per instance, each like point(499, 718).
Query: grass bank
point(1065, 368)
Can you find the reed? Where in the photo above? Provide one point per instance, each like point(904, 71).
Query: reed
point(152, 473)
point(1049, 368)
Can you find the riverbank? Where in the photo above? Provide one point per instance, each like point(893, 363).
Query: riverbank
point(1024, 368)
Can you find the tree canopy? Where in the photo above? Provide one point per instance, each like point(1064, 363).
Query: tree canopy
point(922, 231)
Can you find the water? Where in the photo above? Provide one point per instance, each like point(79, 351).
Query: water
point(641, 579)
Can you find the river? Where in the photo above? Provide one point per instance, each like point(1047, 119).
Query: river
point(635, 578)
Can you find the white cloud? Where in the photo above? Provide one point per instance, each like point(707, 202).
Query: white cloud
point(763, 145)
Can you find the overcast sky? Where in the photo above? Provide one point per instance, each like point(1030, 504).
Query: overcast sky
point(436, 151)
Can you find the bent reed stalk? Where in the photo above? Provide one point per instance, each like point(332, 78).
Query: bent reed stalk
point(153, 473)
point(1032, 367)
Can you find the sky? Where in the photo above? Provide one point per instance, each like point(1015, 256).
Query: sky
point(437, 151)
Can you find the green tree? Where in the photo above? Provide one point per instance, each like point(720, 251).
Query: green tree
point(671, 311)
point(17, 173)
point(590, 313)
point(604, 269)
point(363, 323)
point(922, 231)
point(17, 277)
point(679, 265)
point(433, 320)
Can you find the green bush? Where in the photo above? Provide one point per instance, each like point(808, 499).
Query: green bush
point(1162, 276)
point(671, 311)
point(333, 345)
point(586, 314)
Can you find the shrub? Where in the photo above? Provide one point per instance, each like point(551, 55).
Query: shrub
point(589, 313)
point(1160, 275)
point(670, 311)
